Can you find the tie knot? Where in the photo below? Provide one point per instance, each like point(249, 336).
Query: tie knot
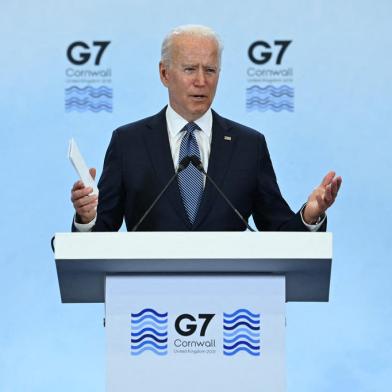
point(190, 127)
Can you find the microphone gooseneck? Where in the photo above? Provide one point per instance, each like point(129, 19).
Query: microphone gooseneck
point(199, 166)
point(181, 166)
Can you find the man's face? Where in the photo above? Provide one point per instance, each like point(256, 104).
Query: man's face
point(192, 75)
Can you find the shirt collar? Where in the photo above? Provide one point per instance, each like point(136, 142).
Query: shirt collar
point(175, 123)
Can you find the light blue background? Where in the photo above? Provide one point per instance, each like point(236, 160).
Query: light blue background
point(342, 63)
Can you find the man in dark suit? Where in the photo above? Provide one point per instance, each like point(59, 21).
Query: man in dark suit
point(142, 156)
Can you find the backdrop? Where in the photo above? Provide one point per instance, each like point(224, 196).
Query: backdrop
point(313, 76)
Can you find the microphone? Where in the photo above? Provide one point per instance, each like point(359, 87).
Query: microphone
point(199, 166)
point(181, 166)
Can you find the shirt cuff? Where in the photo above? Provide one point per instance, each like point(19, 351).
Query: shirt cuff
point(84, 227)
point(317, 225)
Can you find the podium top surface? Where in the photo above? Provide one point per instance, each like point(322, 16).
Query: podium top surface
point(84, 259)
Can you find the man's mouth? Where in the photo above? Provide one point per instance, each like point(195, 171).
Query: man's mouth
point(198, 96)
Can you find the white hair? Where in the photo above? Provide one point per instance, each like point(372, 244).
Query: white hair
point(195, 30)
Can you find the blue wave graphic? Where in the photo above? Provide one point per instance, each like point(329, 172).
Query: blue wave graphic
point(246, 324)
point(84, 101)
point(148, 335)
point(157, 320)
point(251, 352)
point(270, 88)
point(148, 343)
point(87, 88)
point(149, 332)
point(269, 104)
point(95, 94)
point(88, 98)
point(268, 101)
point(153, 325)
point(242, 317)
point(263, 108)
point(246, 311)
point(158, 352)
point(275, 94)
point(275, 98)
point(152, 330)
point(241, 343)
point(91, 108)
point(149, 310)
point(242, 336)
point(241, 332)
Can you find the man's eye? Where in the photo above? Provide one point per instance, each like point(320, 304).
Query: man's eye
point(189, 69)
point(211, 70)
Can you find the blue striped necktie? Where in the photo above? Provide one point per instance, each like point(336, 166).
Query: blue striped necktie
point(190, 180)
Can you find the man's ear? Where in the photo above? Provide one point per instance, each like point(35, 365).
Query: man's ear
point(163, 73)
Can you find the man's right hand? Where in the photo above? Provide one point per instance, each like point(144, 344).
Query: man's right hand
point(85, 205)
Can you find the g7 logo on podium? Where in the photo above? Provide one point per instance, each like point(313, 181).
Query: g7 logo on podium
point(191, 327)
point(79, 52)
point(258, 56)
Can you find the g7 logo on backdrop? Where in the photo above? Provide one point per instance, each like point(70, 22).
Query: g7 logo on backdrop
point(187, 329)
point(79, 52)
point(259, 56)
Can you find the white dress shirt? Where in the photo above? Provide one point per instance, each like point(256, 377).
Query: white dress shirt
point(175, 124)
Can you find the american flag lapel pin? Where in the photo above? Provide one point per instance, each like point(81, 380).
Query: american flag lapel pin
point(227, 138)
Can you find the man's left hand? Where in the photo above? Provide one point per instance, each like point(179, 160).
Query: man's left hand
point(322, 198)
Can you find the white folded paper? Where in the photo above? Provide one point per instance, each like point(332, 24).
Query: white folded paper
point(80, 166)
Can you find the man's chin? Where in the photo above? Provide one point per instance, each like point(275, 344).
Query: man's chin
point(194, 111)
point(199, 109)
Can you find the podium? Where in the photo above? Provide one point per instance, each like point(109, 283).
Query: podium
point(194, 311)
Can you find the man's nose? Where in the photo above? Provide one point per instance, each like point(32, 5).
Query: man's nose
point(200, 78)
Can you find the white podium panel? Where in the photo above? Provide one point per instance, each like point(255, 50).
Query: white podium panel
point(83, 260)
point(195, 333)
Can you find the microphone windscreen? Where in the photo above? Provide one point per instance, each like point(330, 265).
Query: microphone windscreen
point(183, 164)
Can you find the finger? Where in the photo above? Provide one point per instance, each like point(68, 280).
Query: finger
point(85, 201)
point(321, 204)
point(80, 193)
point(316, 191)
point(87, 209)
point(336, 183)
point(339, 181)
point(328, 178)
point(93, 172)
point(77, 185)
point(328, 197)
point(334, 188)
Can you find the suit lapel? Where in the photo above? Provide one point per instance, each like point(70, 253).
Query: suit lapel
point(222, 146)
point(157, 143)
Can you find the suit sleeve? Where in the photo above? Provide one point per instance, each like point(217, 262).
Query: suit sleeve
point(270, 211)
point(110, 211)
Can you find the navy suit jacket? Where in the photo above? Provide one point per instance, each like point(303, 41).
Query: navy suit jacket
point(138, 164)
